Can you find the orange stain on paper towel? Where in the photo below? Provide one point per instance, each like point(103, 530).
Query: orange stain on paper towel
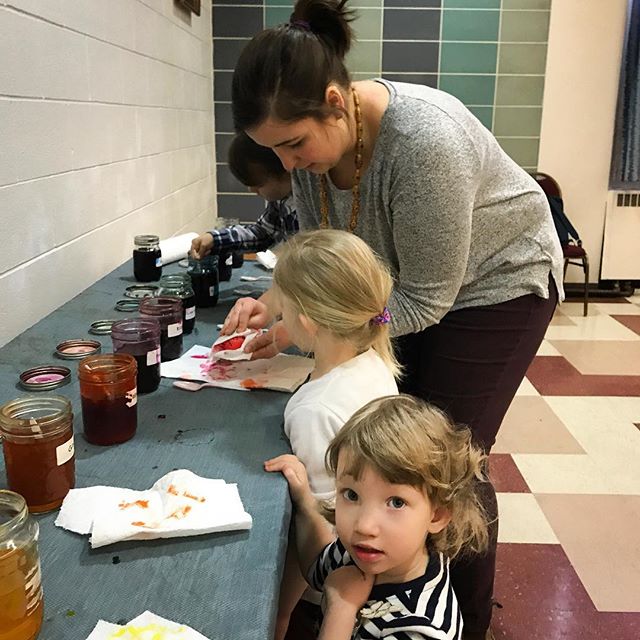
point(250, 383)
point(144, 504)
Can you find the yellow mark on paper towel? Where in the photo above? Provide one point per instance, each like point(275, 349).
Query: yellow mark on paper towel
point(148, 632)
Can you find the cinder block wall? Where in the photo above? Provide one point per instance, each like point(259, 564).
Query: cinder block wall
point(105, 132)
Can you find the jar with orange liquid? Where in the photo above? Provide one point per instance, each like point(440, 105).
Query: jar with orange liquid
point(37, 442)
point(21, 603)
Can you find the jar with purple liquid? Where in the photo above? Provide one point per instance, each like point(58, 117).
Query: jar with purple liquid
point(140, 337)
point(167, 310)
point(204, 280)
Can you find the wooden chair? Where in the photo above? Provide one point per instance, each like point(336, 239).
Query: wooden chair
point(573, 253)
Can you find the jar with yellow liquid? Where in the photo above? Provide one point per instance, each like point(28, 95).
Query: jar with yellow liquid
point(20, 587)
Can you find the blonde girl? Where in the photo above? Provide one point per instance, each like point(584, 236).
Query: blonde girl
point(406, 502)
point(331, 291)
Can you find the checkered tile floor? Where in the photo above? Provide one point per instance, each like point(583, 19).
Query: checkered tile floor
point(566, 466)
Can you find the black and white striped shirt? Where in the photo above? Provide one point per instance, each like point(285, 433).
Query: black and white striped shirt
point(425, 607)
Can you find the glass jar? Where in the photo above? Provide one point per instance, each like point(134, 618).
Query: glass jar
point(238, 259)
point(225, 265)
point(21, 604)
point(147, 258)
point(37, 442)
point(168, 311)
point(140, 337)
point(109, 397)
point(204, 280)
point(237, 256)
point(179, 285)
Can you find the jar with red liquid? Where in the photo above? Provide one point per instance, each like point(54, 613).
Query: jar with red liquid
point(109, 395)
point(21, 605)
point(168, 311)
point(141, 338)
point(37, 442)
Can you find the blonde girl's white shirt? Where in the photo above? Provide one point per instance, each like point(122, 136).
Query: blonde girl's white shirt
point(319, 409)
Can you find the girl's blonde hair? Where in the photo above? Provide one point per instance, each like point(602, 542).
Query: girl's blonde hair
point(408, 441)
point(338, 282)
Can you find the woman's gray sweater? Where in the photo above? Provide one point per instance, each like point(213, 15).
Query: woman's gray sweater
point(458, 222)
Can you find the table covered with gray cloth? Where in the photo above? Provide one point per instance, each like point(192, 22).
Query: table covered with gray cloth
point(223, 585)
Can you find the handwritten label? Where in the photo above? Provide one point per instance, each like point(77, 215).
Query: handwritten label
point(153, 357)
point(132, 397)
point(64, 452)
point(189, 313)
point(174, 329)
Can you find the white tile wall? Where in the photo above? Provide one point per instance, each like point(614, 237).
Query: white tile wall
point(106, 131)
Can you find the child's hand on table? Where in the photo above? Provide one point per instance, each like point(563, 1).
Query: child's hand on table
point(295, 473)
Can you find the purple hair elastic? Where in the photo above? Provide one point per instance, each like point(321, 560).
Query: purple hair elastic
point(382, 318)
point(300, 24)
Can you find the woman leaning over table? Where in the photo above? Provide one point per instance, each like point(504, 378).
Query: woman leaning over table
point(466, 232)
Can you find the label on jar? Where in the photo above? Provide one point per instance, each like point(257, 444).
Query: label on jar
point(189, 313)
point(174, 329)
point(159, 262)
point(212, 291)
point(64, 452)
point(229, 260)
point(32, 588)
point(153, 357)
point(132, 397)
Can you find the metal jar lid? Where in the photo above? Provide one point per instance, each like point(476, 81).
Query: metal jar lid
point(141, 291)
point(45, 377)
point(101, 327)
point(77, 349)
point(127, 305)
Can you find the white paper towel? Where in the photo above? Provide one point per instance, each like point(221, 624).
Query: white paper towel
point(177, 247)
point(147, 626)
point(179, 504)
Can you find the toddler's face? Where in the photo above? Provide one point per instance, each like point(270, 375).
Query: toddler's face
point(384, 526)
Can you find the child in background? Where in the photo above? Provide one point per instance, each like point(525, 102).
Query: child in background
point(261, 170)
point(332, 291)
point(406, 502)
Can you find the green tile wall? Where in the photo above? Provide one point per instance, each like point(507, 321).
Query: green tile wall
point(491, 54)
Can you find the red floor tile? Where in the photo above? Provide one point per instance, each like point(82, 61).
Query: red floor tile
point(555, 376)
point(631, 322)
point(542, 598)
point(505, 475)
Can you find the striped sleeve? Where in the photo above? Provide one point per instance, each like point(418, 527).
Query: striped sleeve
point(332, 557)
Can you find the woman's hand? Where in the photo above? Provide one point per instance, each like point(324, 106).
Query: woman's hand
point(201, 246)
point(246, 313)
point(270, 343)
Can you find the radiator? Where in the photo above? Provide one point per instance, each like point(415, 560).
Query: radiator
point(621, 248)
